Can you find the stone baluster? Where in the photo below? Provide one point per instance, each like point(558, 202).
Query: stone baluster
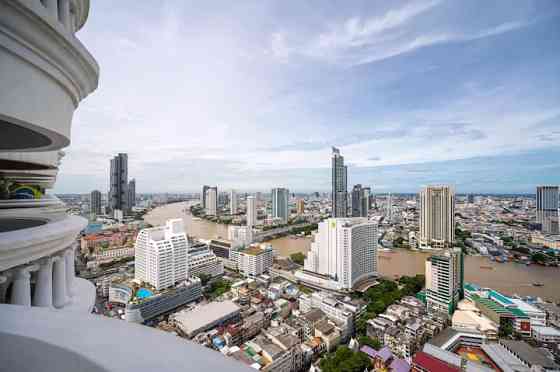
point(5, 281)
point(43, 295)
point(64, 13)
point(21, 287)
point(52, 7)
point(70, 272)
point(59, 282)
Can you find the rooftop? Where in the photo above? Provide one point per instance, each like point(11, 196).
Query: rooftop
point(205, 314)
point(529, 354)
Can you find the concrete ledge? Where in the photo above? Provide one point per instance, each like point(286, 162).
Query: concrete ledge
point(102, 344)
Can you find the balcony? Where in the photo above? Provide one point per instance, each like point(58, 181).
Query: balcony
point(43, 66)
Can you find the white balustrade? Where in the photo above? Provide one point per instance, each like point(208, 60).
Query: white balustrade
point(43, 295)
point(52, 7)
point(21, 287)
point(70, 272)
point(59, 282)
point(64, 13)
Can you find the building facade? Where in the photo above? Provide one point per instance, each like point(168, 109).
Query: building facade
point(233, 202)
point(203, 196)
point(212, 201)
point(131, 194)
point(339, 185)
point(437, 217)
point(444, 281)
point(547, 209)
point(280, 197)
point(345, 250)
point(300, 207)
point(95, 202)
point(118, 191)
point(161, 255)
point(251, 211)
point(253, 260)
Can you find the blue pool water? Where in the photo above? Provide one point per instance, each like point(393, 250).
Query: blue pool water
point(143, 293)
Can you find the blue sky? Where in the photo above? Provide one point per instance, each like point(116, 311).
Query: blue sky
point(253, 94)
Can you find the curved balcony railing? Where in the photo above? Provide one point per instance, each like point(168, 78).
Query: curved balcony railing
point(42, 65)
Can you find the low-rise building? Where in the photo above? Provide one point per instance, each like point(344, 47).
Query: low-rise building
point(206, 317)
point(253, 260)
point(203, 261)
point(546, 335)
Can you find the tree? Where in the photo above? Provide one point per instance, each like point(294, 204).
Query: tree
point(345, 360)
point(371, 342)
point(204, 278)
point(298, 258)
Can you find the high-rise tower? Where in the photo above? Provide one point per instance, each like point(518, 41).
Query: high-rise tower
point(547, 209)
point(437, 217)
point(233, 202)
point(251, 211)
point(95, 202)
point(131, 193)
point(339, 185)
point(119, 183)
point(444, 281)
point(280, 198)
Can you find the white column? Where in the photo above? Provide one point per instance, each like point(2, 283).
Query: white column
point(52, 7)
point(21, 287)
point(70, 272)
point(64, 13)
point(59, 282)
point(43, 295)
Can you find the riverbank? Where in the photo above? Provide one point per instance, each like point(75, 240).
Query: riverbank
point(510, 278)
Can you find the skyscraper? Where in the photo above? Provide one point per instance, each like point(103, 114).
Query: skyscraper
point(119, 183)
point(344, 249)
point(357, 195)
point(233, 202)
point(160, 255)
point(444, 281)
point(203, 197)
point(339, 191)
point(300, 207)
point(95, 202)
point(437, 217)
point(251, 211)
point(212, 201)
point(547, 209)
point(131, 193)
point(366, 191)
point(280, 198)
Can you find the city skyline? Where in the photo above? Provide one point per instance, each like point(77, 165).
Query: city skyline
point(493, 94)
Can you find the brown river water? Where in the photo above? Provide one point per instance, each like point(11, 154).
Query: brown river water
point(508, 277)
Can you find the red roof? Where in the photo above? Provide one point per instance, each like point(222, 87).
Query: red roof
point(429, 363)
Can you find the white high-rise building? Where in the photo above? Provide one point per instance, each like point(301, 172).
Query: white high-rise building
point(161, 254)
point(280, 197)
point(251, 211)
point(240, 235)
point(444, 281)
point(547, 209)
point(345, 250)
point(233, 202)
point(437, 217)
point(212, 201)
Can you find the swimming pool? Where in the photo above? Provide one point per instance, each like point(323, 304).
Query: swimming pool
point(143, 293)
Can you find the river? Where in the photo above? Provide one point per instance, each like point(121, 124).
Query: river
point(508, 277)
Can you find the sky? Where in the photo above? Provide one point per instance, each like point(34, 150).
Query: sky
point(252, 95)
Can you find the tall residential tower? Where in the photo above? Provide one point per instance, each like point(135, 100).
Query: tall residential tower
point(339, 188)
point(437, 217)
point(95, 202)
point(160, 256)
point(211, 201)
point(118, 192)
point(233, 202)
point(547, 209)
point(444, 281)
point(280, 197)
point(344, 250)
point(251, 211)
